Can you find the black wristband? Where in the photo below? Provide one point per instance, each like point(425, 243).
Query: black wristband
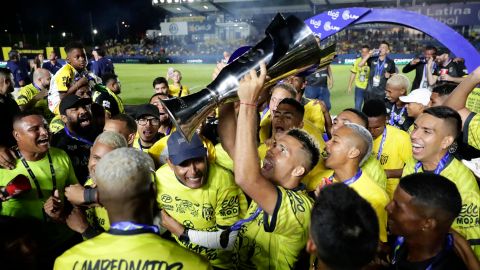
point(184, 236)
point(89, 195)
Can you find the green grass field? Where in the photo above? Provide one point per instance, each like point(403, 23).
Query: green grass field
point(136, 80)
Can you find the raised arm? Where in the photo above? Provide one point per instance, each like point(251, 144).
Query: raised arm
point(246, 160)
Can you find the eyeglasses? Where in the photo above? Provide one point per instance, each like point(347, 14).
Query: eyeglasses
point(152, 121)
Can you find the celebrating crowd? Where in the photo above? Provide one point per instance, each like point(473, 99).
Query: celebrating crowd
point(270, 181)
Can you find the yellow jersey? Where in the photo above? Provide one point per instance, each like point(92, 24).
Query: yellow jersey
point(56, 124)
point(175, 90)
point(314, 114)
point(222, 158)
point(395, 152)
point(137, 251)
point(373, 194)
point(473, 101)
point(61, 81)
point(219, 202)
point(159, 152)
point(274, 241)
point(27, 93)
point(471, 130)
point(97, 216)
point(468, 222)
point(30, 204)
point(361, 73)
point(374, 169)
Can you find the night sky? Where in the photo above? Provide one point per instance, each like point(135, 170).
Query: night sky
point(30, 18)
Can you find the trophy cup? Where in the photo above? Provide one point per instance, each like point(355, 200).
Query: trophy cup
point(289, 48)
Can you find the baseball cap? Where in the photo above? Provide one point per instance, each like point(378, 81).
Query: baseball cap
point(146, 109)
point(443, 51)
point(73, 101)
point(179, 149)
point(421, 95)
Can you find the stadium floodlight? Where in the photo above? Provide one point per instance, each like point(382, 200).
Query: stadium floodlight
point(169, 1)
point(64, 34)
point(205, 6)
point(190, 1)
point(155, 2)
point(176, 1)
point(95, 31)
point(179, 9)
point(52, 26)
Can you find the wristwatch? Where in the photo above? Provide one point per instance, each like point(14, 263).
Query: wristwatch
point(184, 236)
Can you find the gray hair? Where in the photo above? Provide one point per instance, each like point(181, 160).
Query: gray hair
point(124, 172)
point(112, 139)
point(399, 80)
point(365, 135)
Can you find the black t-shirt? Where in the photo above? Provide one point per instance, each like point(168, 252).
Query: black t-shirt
point(399, 118)
point(78, 151)
point(453, 69)
point(8, 109)
point(448, 260)
point(318, 78)
point(377, 80)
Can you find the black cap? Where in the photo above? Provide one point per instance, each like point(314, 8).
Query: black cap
point(73, 101)
point(147, 109)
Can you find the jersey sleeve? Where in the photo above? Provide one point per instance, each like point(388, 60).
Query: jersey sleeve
point(354, 68)
point(471, 130)
point(24, 96)
point(405, 147)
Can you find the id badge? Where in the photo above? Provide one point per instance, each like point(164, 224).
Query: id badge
point(361, 77)
point(376, 81)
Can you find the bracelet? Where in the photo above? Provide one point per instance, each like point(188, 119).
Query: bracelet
point(89, 195)
point(248, 104)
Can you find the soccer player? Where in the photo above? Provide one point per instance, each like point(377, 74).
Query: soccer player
point(148, 122)
point(457, 101)
point(396, 87)
point(360, 76)
point(160, 86)
point(440, 93)
point(417, 101)
point(433, 135)
point(128, 194)
point(123, 124)
point(343, 230)
point(420, 215)
point(107, 95)
point(199, 195)
point(280, 207)
point(177, 89)
point(391, 146)
point(381, 68)
point(346, 152)
point(34, 96)
point(77, 137)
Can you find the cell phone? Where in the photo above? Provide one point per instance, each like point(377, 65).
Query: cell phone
point(16, 186)
point(376, 52)
point(170, 72)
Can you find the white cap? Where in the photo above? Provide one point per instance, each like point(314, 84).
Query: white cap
point(421, 95)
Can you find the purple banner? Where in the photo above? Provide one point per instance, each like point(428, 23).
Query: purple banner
point(451, 14)
point(333, 21)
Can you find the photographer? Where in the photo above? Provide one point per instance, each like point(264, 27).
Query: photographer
point(419, 64)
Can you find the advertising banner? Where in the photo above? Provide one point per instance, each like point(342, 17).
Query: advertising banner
point(333, 21)
point(174, 28)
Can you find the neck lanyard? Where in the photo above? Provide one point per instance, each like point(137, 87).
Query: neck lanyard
point(347, 182)
point(38, 88)
point(400, 240)
point(126, 226)
point(141, 146)
point(394, 117)
point(34, 178)
point(441, 165)
point(382, 143)
point(238, 224)
point(77, 138)
point(264, 112)
point(380, 66)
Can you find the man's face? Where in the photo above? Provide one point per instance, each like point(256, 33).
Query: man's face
point(32, 134)
point(437, 100)
point(77, 58)
point(364, 52)
point(161, 88)
point(297, 82)
point(6, 85)
point(52, 56)
point(393, 92)
point(429, 54)
point(403, 217)
point(193, 173)
point(282, 158)
point(346, 117)
point(441, 58)
point(97, 151)
point(78, 119)
point(147, 127)
point(95, 55)
point(337, 148)
point(384, 50)
point(376, 125)
point(414, 109)
point(163, 112)
point(278, 94)
point(115, 86)
point(119, 127)
point(285, 118)
point(176, 77)
point(45, 80)
point(427, 136)
point(84, 92)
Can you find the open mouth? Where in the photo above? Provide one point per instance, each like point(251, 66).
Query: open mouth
point(417, 148)
point(43, 141)
point(267, 165)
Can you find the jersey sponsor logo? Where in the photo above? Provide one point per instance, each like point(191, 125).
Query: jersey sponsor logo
point(106, 104)
point(165, 198)
point(383, 159)
point(122, 264)
point(469, 215)
point(298, 204)
point(210, 253)
point(230, 207)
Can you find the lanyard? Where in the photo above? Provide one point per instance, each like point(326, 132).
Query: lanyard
point(441, 165)
point(400, 240)
point(38, 88)
point(382, 143)
point(77, 138)
point(238, 224)
point(380, 66)
point(395, 118)
point(34, 177)
point(347, 182)
point(126, 226)
point(264, 112)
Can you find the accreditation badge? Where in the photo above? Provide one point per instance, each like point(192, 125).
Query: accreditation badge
point(376, 81)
